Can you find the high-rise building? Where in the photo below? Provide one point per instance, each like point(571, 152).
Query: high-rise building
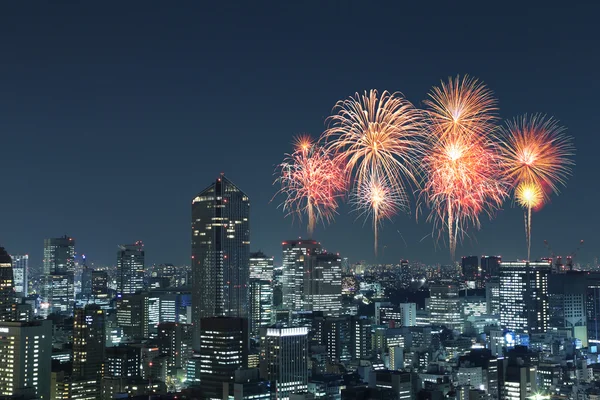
point(444, 306)
point(470, 268)
point(60, 293)
point(20, 265)
point(6, 287)
point(220, 253)
point(25, 350)
point(569, 301)
point(223, 350)
point(130, 268)
point(122, 361)
point(524, 305)
point(492, 295)
point(133, 315)
point(89, 338)
point(284, 360)
point(405, 275)
point(399, 382)
point(490, 266)
point(100, 284)
point(175, 340)
point(86, 282)
point(360, 337)
point(59, 255)
point(322, 283)
point(292, 280)
point(408, 311)
point(261, 305)
point(261, 266)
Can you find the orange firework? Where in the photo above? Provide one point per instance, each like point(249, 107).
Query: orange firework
point(463, 174)
point(376, 199)
point(377, 136)
point(536, 156)
point(312, 181)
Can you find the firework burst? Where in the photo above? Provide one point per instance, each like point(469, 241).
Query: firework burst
point(536, 155)
point(375, 199)
point(377, 137)
point(312, 182)
point(463, 175)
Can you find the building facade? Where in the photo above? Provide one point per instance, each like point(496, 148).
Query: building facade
point(130, 268)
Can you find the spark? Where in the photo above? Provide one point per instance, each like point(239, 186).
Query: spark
point(312, 181)
point(462, 170)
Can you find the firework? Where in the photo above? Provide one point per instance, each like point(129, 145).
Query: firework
point(463, 175)
point(312, 182)
point(536, 156)
point(375, 199)
point(377, 136)
point(529, 195)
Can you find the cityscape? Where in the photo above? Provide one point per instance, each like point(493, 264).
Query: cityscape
point(413, 249)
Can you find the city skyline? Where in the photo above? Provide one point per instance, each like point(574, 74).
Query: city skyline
point(174, 125)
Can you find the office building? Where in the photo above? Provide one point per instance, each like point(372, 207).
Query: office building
point(86, 283)
point(20, 265)
point(100, 284)
point(444, 306)
point(122, 361)
point(60, 293)
point(470, 268)
point(89, 338)
point(292, 280)
point(261, 305)
point(524, 305)
point(59, 255)
point(405, 275)
point(492, 296)
point(175, 340)
point(323, 283)
point(490, 266)
point(399, 382)
point(261, 266)
point(6, 287)
point(130, 268)
point(408, 312)
point(224, 349)
point(568, 296)
point(284, 360)
point(220, 253)
point(25, 350)
point(133, 315)
point(360, 338)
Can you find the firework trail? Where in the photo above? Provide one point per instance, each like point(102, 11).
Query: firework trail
point(529, 195)
point(463, 175)
point(312, 182)
point(379, 139)
point(376, 199)
point(536, 159)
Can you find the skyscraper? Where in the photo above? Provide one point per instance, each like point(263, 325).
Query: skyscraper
point(261, 266)
point(322, 283)
point(88, 345)
point(59, 255)
point(490, 266)
point(21, 274)
point(524, 305)
point(6, 286)
point(133, 315)
point(470, 268)
point(444, 306)
point(284, 360)
point(220, 253)
point(261, 305)
point(293, 270)
point(130, 268)
point(224, 349)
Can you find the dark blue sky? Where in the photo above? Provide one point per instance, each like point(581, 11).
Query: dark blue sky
point(114, 114)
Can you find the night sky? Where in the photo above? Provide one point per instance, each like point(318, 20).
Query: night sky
point(113, 115)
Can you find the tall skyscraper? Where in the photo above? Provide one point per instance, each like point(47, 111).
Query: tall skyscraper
point(292, 281)
point(89, 337)
point(21, 274)
point(444, 306)
point(524, 305)
point(470, 268)
point(130, 268)
point(261, 305)
point(490, 266)
point(100, 284)
point(59, 255)
point(220, 253)
point(261, 266)
point(26, 349)
point(284, 360)
point(6, 286)
point(223, 350)
point(322, 283)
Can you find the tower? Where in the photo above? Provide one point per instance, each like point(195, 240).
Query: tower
point(220, 253)
point(130, 267)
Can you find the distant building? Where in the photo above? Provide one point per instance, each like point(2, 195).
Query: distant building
point(59, 266)
point(490, 266)
point(100, 284)
point(6, 287)
point(20, 265)
point(261, 266)
point(284, 360)
point(261, 305)
point(292, 280)
point(444, 306)
point(360, 338)
point(59, 255)
point(524, 305)
point(470, 268)
point(408, 312)
point(322, 286)
point(130, 268)
point(133, 315)
point(399, 382)
point(220, 253)
point(175, 340)
point(89, 336)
